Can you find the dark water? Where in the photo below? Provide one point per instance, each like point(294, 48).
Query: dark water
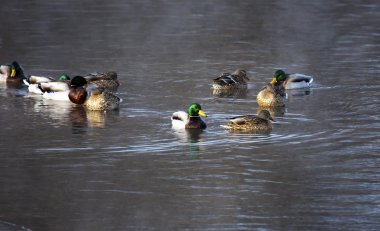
point(62, 168)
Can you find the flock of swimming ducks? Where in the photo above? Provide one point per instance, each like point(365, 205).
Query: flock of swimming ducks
point(93, 91)
point(96, 92)
point(271, 96)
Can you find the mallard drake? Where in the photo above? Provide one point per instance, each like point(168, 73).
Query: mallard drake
point(251, 123)
point(291, 81)
point(35, 85)
point(12, 73)
point(271, 96)
point(228, 81)
point(106, 80)
point(59, 90)
point(95, 98)
point(189, 120)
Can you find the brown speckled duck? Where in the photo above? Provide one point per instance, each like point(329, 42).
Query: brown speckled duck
point(271, 96)
point(227, 81)
point(251, 123)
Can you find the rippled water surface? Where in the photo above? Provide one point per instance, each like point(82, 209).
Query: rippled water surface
point(65, 168)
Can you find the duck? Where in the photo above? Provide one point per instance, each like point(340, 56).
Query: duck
point(35, 85)
point(106, 80)
point(271, 95)
point(190, 119)
point(227, 81)
point(94, 98)
point(13, 73)
point(251, 123)
point(59, 90)
point(292, 81)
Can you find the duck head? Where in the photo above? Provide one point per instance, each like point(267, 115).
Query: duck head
point(64, 77)
point(196, 110)
point(78, 93)
point(16, 70)
point(241, 73)
point(279, 76)
point(264, 114)
point(112, 75)
point(78, 81)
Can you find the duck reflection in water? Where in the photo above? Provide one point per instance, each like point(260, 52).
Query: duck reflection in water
point(81, 117)
point(58, 111)
point(189, 135)
point(230, 93)
point(291, 93)
point(192, 138)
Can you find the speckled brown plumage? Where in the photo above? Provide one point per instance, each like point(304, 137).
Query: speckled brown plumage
point(251, 123)
point(228, 81)
point(271, 96)
point(107, 80)
point(102, 100)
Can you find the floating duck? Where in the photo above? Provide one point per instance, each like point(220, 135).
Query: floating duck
point(271, 96)
point(291, 81)
point(59, 90)
point(94, 98)
point(251, 123)
point(189, 120)
point(12, 73)
point(228, 81)
point(35, 85)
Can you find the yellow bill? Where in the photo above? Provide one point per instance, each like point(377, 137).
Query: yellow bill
point(13, 72)
point(274, 80)
point(201, 113)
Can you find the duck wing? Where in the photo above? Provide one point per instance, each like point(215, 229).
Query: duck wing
point(179, 119)
point(225, 79)
point(33, 79)
point(180, 115)
point(54, 86)
point(107, 80)
point(296, 77)
point(244, 119)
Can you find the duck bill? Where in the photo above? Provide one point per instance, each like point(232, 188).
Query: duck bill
point(271, 118)
point(201, 113)
point(274, 80)
point(13, 72)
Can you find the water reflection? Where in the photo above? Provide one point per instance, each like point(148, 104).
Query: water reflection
point(64, 113)
point(189, 135)
point(56, 110)
point(298, 92)
point(11, 90)
point(230, 93)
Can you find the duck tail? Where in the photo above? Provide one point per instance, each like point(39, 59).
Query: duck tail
point(26, 82)
point(40, 87)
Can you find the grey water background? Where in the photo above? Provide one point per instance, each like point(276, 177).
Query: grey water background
point(64, 168)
